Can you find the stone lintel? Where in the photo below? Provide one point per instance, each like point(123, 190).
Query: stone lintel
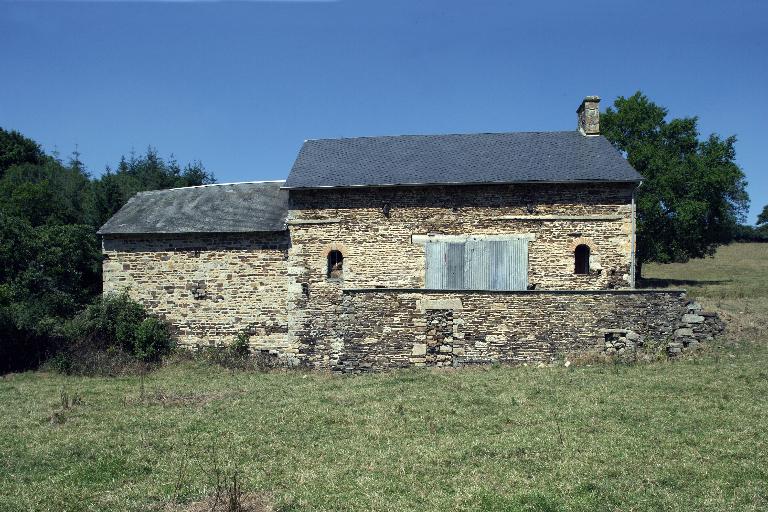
point(299, 222)
point(544, 218)
point(428, 304)
point(423, 239)
point(605, 291)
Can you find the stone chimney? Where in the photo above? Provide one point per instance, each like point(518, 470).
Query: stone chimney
point(589, 116)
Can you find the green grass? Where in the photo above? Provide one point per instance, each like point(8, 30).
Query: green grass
point(684, 435)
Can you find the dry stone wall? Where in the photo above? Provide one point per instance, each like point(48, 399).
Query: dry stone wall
point(694, 328)
point(380, 329)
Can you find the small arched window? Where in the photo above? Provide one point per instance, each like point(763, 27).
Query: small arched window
point(581, 259)
point(335, 264)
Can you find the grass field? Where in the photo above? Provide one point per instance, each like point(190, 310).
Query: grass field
point(683, 435)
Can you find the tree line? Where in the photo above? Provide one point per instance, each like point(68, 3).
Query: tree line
point(50, 255)
point(693, 199)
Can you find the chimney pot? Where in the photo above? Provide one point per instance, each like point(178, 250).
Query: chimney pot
point(589, 116)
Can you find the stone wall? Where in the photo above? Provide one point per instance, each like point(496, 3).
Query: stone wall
point(209, 287)
point(381, 231)
point(213, 287)
point(695, 327)
point(380, 329)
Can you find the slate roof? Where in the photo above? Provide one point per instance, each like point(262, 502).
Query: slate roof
point(226, 208)
point(459, 159)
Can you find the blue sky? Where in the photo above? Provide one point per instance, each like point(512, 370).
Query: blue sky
point(240, 85)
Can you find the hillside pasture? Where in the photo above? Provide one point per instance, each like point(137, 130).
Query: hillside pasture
point(690, 434)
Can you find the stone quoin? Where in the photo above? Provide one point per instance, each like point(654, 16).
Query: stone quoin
point(389, 252)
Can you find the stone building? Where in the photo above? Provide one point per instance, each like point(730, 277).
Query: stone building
point(382, 252)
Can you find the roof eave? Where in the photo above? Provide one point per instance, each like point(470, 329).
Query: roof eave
point(461, 183)
point(210, 232)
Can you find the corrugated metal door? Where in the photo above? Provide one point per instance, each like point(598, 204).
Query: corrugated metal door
point(509, 263)
point(445, 266)
point(477, 265)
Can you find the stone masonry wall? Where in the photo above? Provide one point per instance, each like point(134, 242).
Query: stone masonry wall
point(209, 287)
point(378, 230)
point(214, 287)
point(274, 286)
point(380, 329)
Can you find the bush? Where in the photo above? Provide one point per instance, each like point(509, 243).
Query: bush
point(241, 345)
point(120, 326)
point(47, 274)
point(152, 340)
point(238, 355)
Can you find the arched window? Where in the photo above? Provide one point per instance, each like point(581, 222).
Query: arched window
point(581, 259)
point(335, 264)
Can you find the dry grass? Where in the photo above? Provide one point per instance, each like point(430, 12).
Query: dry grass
point(249, 502)
point(734, 281)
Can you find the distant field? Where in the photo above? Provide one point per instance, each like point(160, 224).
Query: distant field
point(683, 435)
point(736, 271)
point(734, 281)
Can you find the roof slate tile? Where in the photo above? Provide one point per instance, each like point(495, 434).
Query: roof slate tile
point(458, 159)
point(227, 208)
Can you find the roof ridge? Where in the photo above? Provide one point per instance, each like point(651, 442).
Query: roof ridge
point(439, 135)
point(210, 185)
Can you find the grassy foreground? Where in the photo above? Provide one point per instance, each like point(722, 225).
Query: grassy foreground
point(684, 435)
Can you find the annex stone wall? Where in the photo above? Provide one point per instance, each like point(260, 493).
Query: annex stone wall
point(381, 329)
point(210, 287)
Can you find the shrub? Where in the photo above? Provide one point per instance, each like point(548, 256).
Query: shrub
point(238, 355)
point(241, 345)
point(152, 339)
point(115, 327)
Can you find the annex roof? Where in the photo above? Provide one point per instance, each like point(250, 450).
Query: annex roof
point(226, 208)
point(459, 159)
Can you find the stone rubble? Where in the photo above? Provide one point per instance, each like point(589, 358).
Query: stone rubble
point(695, 327)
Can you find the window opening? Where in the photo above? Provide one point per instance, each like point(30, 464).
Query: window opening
point(581, 259)
point(335, 264)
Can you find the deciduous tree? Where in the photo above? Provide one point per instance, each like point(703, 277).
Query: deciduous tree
point(693, 195)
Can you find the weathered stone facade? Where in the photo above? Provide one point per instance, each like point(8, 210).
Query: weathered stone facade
point(396, 328)
point(209, 287)
point(382, 231)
